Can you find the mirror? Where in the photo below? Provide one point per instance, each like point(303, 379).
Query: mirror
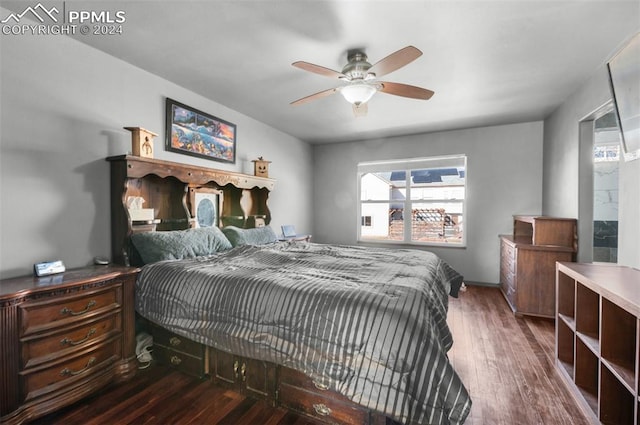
point(606, 160)
point(598, 187)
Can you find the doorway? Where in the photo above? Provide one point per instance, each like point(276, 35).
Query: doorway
point(598, 186)
point(606, 160)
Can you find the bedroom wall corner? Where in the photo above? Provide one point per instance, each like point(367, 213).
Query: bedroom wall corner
point(62, 112)
point(504, 178)
point(562, 167)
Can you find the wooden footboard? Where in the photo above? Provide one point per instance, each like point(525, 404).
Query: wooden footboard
point(278, 385)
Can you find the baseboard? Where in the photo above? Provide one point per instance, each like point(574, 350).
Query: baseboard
point(472, 283)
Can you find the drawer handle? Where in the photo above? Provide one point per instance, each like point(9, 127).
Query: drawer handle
point(66, 341)
point(77, 313)
point(240, 371)
point(69, 372)
point(175, 360)
point(322, 409)
point(320, 386)
point(174, 341)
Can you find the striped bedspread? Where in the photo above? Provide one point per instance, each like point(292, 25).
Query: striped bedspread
point(369, 323)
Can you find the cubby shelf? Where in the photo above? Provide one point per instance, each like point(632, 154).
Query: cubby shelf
point(591, 341)
point(598, 339)
point(568, 320)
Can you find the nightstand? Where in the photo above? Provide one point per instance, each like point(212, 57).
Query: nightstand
point(63, 337)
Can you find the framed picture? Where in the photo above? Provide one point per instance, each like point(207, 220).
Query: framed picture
point(206, 204)
point(193, 132)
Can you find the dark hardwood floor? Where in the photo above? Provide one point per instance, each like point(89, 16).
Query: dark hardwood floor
point(505, 361)
point(162, 396)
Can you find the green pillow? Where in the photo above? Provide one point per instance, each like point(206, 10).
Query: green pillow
point(179, 244)
point(255, 236)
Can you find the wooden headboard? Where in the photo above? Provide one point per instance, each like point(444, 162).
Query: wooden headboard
point(169, 189)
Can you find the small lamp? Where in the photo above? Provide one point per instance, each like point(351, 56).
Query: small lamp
point(358, 93)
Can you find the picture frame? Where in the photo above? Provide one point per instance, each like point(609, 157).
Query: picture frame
point(192, 132)
point(624, 81)
point(206, 206)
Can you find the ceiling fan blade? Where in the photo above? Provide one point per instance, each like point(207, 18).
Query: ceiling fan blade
point(395, 61)
point(317, 69)
point(360, 110)
point(314, 96)
point(405, 90)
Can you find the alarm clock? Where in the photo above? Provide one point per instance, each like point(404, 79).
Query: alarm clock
point(48, 267)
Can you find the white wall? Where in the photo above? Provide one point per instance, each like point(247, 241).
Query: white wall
point(562, 168)
point(504, 177)
point(63, 106)
point(629, 214)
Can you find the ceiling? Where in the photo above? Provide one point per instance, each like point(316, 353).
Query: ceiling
point(489, 62)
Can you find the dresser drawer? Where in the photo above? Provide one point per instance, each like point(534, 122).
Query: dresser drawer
point(181, 361)
point(507, 258)
point(508, 250)
point(298, 379)
point(508, 284)
point(46, 314)
point(168, 339)
point(508, 277)
point(324, 408)
point(508, 264)
point(43, 347)
point(41, 380)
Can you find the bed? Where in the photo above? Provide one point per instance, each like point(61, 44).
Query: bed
point(366, 324)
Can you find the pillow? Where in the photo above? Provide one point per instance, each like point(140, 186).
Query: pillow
point(179, 244)
point(255, 236)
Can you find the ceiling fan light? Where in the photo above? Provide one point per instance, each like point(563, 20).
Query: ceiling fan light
point(358, 93)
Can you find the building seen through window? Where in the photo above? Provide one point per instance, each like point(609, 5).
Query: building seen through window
point(413, 201)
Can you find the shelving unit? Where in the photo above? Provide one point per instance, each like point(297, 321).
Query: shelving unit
point(598, 339)
point(170, 190)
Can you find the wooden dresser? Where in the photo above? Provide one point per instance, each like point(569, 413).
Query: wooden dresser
point(528, 258)
point(598, 339)
point(63, 337)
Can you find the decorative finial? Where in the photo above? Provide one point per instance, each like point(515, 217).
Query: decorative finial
point(141, 141)
point(261, 167)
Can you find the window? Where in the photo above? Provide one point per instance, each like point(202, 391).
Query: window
point(415, 201)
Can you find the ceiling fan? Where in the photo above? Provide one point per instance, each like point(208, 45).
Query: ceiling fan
point(362, 78)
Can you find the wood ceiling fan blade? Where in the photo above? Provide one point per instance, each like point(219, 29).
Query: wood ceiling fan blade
point(360, 110)
point(405, 90)
point(317, 69)
point(395, 61)
point(314, 96)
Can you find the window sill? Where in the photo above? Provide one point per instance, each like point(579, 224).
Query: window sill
point(402, 244)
